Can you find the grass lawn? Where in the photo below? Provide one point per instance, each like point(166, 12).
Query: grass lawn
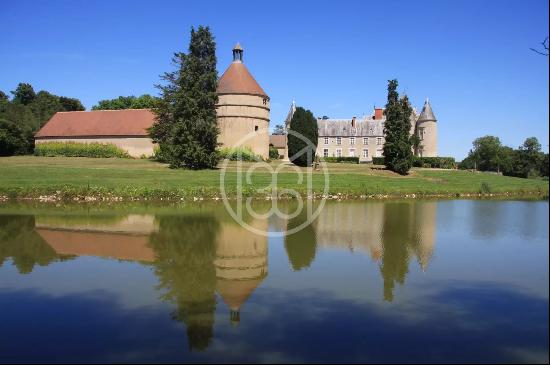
point(30, 176)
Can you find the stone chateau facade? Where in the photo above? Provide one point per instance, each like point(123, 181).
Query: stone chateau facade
point(364, 137)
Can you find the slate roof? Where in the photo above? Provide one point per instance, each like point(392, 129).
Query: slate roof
point(366, 127)
point(427, 112)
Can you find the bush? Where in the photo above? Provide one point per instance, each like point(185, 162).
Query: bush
point(341, 159)
point(273, 153)
point(378, 161)
point(434, 162)
point(75, 149)
point(239, 154)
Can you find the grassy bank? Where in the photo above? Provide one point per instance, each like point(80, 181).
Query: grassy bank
point(61, 178)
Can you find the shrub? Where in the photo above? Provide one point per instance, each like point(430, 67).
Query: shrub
point(273, 153)
point(485, 188)
point(341, 159)
point(239, 154)
point(75, 149)
point(434, 162)
point(378, 161)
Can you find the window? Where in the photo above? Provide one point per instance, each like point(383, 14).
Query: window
point(379, 141)
point(352, 141)
point(421, 133)
point(325, 152)
point(326, 141)
point(352, 152)
point(265, 101)
point(365, 153)
point(365, 141)
point(338, 141)
point(338, 153)
point(256, 128)
point(379, 153)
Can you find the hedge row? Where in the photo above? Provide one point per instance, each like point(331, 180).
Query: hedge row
point(239, 154)
point(75, 149)
point(342, 159)
point(426, 162)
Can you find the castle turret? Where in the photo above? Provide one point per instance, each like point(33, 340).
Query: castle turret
point(243, 108)
point(426, 130)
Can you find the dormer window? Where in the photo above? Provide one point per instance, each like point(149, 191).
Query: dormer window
point(265, 101)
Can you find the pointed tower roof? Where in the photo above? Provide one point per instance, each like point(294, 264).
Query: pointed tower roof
point(290, 114)
point(427, 113)
point(237, 79)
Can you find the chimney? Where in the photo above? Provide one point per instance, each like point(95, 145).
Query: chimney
point(353, 122)
point(378, 113)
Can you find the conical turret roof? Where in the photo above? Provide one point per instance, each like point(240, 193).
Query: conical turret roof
point(427, 112)
point(238, 80)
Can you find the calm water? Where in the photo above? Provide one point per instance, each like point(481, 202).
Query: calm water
point(429, 281)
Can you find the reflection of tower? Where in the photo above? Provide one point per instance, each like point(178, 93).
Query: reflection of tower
point(241, 264)
point(424, 237)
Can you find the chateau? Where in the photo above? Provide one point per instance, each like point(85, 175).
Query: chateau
point(242, 115)
point(243, 119)
point(364, 137)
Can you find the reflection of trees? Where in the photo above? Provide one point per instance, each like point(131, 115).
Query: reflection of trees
point(395, 237)
point(185, 249)
point(19, 240)
point(408, 228)
point(302, 245)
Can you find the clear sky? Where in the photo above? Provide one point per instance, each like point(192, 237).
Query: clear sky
point(471, 58)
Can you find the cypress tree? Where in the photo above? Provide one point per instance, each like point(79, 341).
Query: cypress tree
point(398, 154)
point(304, 123)
point(186, 127)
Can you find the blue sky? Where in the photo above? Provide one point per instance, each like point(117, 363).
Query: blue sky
point(471, 58)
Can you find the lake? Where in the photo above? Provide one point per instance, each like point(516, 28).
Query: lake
point(399, 281)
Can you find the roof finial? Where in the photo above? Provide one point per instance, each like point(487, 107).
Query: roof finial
point(238, 53)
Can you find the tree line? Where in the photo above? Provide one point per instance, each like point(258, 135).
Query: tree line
point(25, 113)
point(489, 154)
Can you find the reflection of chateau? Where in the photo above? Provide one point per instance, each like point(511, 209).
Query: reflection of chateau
point(359, 226)
point(240, 256)
point(123, 238)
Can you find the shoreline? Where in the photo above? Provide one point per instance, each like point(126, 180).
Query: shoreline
point(173, 197)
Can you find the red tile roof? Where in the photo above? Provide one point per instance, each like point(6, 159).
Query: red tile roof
point(277, 140)
point(129, 122)
point(238, 80)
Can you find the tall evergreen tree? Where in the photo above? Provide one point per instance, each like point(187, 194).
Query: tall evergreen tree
point(398, 154)
point(186, 127)
point(300, 152)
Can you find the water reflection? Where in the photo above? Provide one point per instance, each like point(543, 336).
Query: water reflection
point(206, 264)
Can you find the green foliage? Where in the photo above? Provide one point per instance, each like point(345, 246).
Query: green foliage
point(303, 123)
point(23, 116)
point(144, 101)
point(75, 149)
point(434, 162)
point(3, 97)
point(273, 153)
point(489, 154)
point(279, 129)
point(13, 139)
point(485, 188)
point(186, 127)
point(378, 161)
point(398, 146)
point(23, 94)
point(239, 154)
point(342, 159)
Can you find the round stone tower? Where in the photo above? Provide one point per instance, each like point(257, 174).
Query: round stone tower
point(243, 108)
point(426, 130)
